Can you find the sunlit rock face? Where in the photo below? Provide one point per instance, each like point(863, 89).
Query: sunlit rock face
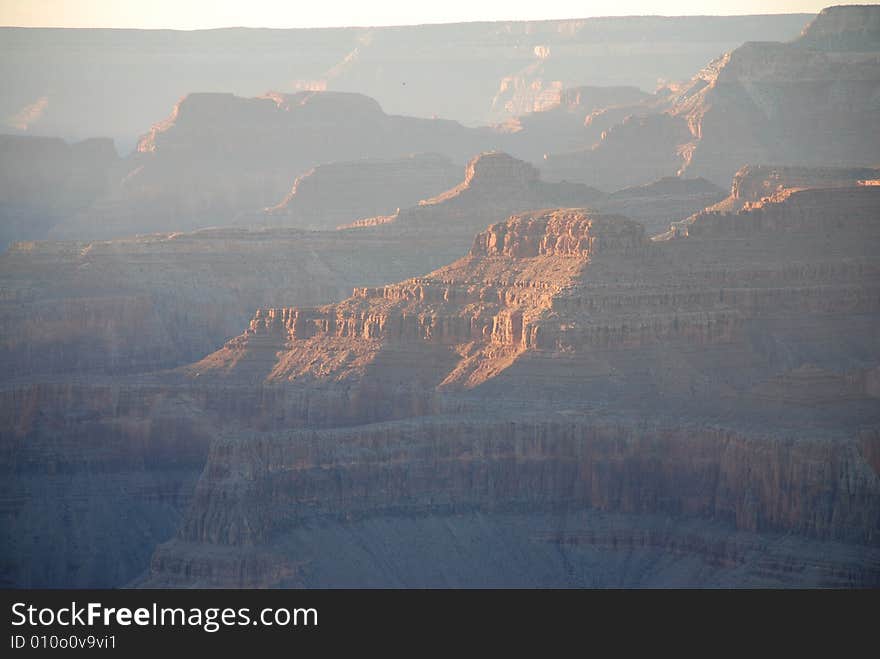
point(478, 398)
point(568, 386)
point(135, 305)
point(387, 372)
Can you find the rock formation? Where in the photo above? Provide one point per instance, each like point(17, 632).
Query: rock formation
point(218, 155)
point(336, 194)
point(634, 417)
point(138, 304)
point(135, 305)
point(809, 102)
point(753, 183)
point(452, 71)
point(610, 410)
point(549, 395)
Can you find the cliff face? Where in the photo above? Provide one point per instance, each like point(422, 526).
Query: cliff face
point(811, 207)
point(310, 503)
point(488, 300)
point(753, 183)
point(451, 71)
point(509, 363)
point(219, 155)
point(775, 103)
point(810, 102)
point(44, 180)
point(339, 193)
point(843, 28)
point(139, 304)
point(598, 407)
point(495, 185)
point(94, 476)
point(576, 282)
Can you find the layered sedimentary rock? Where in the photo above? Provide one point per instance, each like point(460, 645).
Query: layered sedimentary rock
point(339, 193)
point(219, 155)
point(753, 183)
point(44, 180)
point(561, 501)
point(813, 205)
point(494, 184)
point(452, 71)
point(594, 407)
point(810, 102)
point(93, 477)
point(138, 304)
point(610, 402)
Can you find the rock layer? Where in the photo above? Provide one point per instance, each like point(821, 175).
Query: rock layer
point(810, 102)
point(451, 71)
point(562, 318)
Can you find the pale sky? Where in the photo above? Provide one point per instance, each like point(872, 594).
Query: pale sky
point(197, 14)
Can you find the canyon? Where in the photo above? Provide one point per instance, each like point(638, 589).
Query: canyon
point(609, 409)
point(807, 102)
point(567, 365)
point(49, 89)
point(276, 158)
point(156, 301)
point(602, 326)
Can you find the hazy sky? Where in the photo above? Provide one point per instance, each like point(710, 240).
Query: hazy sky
point(193, 14)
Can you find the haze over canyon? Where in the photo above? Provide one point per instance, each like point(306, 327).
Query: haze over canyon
point(574, 303)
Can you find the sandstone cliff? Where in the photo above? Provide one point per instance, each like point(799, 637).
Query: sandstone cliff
point(557, 500)
point(138, 304)
point(599, 395)
point(569, 391)
point(753, 183)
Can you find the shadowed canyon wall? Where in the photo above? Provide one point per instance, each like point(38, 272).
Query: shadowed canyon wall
point(495, 69)
point(570, 390)
point(288, 343)
point(810, 102)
